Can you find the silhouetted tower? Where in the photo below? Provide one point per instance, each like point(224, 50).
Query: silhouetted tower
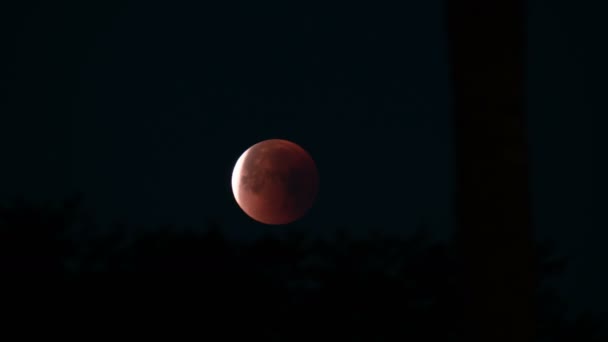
point(487, 56)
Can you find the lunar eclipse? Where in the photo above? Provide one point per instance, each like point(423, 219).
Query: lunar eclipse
point(275, 182)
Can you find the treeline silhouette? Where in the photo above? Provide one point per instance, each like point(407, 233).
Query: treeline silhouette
point(287, 287)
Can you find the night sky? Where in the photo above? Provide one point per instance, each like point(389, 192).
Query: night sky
point(145, 107)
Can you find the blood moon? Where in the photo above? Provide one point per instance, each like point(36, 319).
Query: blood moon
point(275, 181)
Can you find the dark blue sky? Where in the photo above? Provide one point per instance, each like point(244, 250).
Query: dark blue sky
point(145, 106)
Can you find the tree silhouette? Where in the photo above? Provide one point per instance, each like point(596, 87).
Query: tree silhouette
point(487, 53)
point(290, 287)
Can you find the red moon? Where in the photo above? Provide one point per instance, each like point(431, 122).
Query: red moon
point(275, 181)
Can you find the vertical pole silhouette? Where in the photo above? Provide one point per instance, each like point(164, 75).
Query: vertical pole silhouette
point(494, 232)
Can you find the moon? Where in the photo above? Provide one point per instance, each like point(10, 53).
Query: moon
point(275, 182)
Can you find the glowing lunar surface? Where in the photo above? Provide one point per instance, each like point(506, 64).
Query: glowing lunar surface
point(275, 181)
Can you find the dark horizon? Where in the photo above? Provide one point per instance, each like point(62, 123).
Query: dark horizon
point(301, 280)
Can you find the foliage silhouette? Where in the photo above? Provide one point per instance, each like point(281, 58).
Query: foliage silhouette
point(292, 287)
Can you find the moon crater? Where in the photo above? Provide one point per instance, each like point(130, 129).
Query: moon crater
point(275, 181)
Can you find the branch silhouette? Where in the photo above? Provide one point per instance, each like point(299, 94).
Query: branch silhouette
point(377, 288)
